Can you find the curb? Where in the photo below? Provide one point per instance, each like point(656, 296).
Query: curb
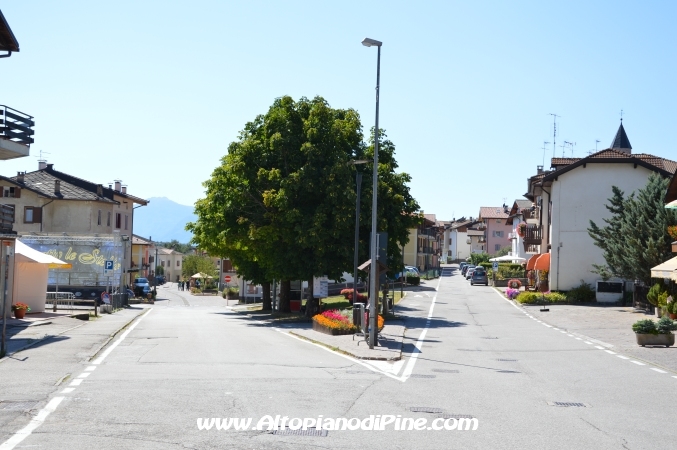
point(344, 352)
point(115, 333)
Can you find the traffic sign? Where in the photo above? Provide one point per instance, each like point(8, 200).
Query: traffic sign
point(495, 266)
point(105, 297)
point(227, 278)
point(108, 267)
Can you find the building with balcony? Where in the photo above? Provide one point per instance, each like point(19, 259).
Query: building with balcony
point(524, 221)
point(575, 192)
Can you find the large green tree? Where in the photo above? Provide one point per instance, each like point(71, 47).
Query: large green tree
point(281, 204)
point(635, 238)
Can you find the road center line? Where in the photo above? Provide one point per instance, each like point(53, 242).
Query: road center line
point(658, 370)
point(122, 337)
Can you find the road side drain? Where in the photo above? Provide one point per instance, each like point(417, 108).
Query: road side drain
point(309, 432)
point(426, 409)
point(569, 404)
point(418, 375)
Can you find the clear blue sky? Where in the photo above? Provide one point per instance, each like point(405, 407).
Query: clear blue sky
point(152, 92)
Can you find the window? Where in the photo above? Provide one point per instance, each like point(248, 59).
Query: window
point(126, 222)
point(497, 247)
point(497, 234)
point(498, 220)
point(178, 263)
point(13, 212)
point(32, 214)
point(108, 221)
point(162, 263)
point(118, 220)
point(13, 192)
point(98, 220)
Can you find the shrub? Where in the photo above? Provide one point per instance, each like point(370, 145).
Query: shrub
point(528, 298)
point(555, 297)
point(581, 293)
point(487, 266)
point(645, 326)
point(515, 283)
point(665, 325)
point(334, 320)
point(654, 293)
point(415, 281)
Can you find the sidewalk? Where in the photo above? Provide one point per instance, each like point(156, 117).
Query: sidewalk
point(608, 326)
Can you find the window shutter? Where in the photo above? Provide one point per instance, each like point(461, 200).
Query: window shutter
point(37, 215)
point(17, 192)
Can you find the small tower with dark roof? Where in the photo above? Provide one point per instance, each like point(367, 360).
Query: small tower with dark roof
point(621, 141)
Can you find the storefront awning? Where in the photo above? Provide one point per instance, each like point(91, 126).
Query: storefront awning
point(26, 254)
point(666, 269)
point(532, 261)
point(543, 262)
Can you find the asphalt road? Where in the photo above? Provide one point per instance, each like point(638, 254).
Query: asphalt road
point(479, 356)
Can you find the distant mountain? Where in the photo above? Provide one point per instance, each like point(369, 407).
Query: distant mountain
point(163, 220)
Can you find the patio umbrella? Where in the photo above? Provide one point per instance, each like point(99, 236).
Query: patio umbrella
point(508, 258)
point(201, 275)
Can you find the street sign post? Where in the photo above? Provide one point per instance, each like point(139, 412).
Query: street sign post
point(227, 278)
point(108, 267)
point(495, 266)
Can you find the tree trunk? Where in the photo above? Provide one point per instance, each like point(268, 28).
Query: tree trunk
point(267, 303)
point(312, 304)
point(285, 288)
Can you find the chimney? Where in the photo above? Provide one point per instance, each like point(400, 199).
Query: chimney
point(118, 185)
point(539, 170)
point(20, 177)
point(99, 190)
point(57, 187)
point(110, 186)
point(50, 166)
point(42, 164)
point(124, 189)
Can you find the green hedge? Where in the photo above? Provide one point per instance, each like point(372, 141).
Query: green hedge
point(415, 281)
point(531, 298)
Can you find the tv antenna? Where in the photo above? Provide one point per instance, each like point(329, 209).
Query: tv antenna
point(597, 141)
point(554, 132)
point(544, 144)
point(570, 144)
point(563, 146)
point(42, 152)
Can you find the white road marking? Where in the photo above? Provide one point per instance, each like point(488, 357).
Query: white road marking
point(84, 374)
point(67, 390)
point(90, 368)
point(597, 346)
point(570, 335)
point(674, 376)
point(589, 343)
point(26, 431)
point(622, 357)
point(610, 352)
point(76, 382)
point(555, 328)
point(122, 337)
point(579, 339)
point(637, 362)
point(658, 370)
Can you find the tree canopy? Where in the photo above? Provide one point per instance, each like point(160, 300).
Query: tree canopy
point(636, 237)
point(282, 203)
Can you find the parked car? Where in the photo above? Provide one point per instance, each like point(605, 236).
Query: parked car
point(462, 265)
point(160, 280)
point(409, 271)
point(479, 276)
point(469, 273)
point(141, 287)
point(465, 269)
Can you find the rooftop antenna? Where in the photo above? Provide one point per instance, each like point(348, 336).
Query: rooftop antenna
point(554, 132)
point(563, 146)
point(621, 115)
point(544, 144)
point(570, 144)
point(42, 152)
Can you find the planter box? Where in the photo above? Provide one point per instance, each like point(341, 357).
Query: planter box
point(322, 329)
point(667, 340)
point(609, 291)
point(504, 283)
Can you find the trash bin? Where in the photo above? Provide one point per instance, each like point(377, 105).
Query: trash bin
point(358, 312)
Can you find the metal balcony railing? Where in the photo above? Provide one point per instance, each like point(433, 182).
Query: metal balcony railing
point(6, 218)
point(533, 235)
point(16, 126)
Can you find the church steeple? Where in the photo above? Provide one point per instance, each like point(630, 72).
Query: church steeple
point(621, 141)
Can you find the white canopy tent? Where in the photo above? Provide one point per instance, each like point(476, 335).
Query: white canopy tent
point(31, 269)
point(508, 258)
point(668, 269)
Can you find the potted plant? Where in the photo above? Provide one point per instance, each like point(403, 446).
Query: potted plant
point(232, 293)
point(20, 309)
point(671, 307)
point(649, 332)
point(521, 229)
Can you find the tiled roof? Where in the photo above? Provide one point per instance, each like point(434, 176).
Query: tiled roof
point(138, 240)
point(609, 155)
point(430, 217)
point(522, 204)
point(493, 212)
point(90, 186)
point(168, 251)
point(461, 224)
point(556, 162)
point(43, 183)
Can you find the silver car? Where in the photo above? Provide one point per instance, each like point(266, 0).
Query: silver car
point(479, 276)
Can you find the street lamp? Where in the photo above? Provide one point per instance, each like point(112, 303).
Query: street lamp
point(358, 182)
point(373, 273)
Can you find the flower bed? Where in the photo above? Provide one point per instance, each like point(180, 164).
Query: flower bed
point(333, 322)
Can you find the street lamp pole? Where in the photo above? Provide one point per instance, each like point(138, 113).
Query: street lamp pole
point(358, 182)
point(373, 273)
